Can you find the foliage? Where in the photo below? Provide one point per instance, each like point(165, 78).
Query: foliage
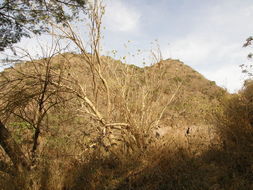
point(235, 126)
point(21, 18)
point(247, 68)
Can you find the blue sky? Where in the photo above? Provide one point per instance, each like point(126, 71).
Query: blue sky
point(205, 34)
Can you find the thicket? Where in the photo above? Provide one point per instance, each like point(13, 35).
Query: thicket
point(234, 122)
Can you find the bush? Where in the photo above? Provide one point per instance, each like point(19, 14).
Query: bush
point(234, 122)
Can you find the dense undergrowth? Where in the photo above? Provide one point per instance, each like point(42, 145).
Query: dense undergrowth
point(203, 140)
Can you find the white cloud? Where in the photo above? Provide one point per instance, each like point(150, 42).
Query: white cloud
point(229, 77)
point(121, 17)
point(198, 51)
point(191, 50)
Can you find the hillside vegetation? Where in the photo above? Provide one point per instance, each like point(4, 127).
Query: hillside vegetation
point(115, 126)
point(83, 121)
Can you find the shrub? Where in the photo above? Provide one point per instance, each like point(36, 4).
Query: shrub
point(234, 121)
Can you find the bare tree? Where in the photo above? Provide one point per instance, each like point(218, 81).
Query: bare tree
point(132, 107)
point(28, 92)
point(117, 100)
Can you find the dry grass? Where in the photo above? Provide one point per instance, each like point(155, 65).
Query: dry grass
point(150, 154)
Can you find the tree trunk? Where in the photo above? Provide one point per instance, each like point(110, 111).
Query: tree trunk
point(35, 143)
point(12, 149)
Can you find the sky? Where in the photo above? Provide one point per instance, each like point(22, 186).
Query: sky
point(205, 34)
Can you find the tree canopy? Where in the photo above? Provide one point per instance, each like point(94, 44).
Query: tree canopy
point(21, 18)
point(247, 68)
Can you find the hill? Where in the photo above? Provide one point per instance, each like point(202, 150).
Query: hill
point(102, 122)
